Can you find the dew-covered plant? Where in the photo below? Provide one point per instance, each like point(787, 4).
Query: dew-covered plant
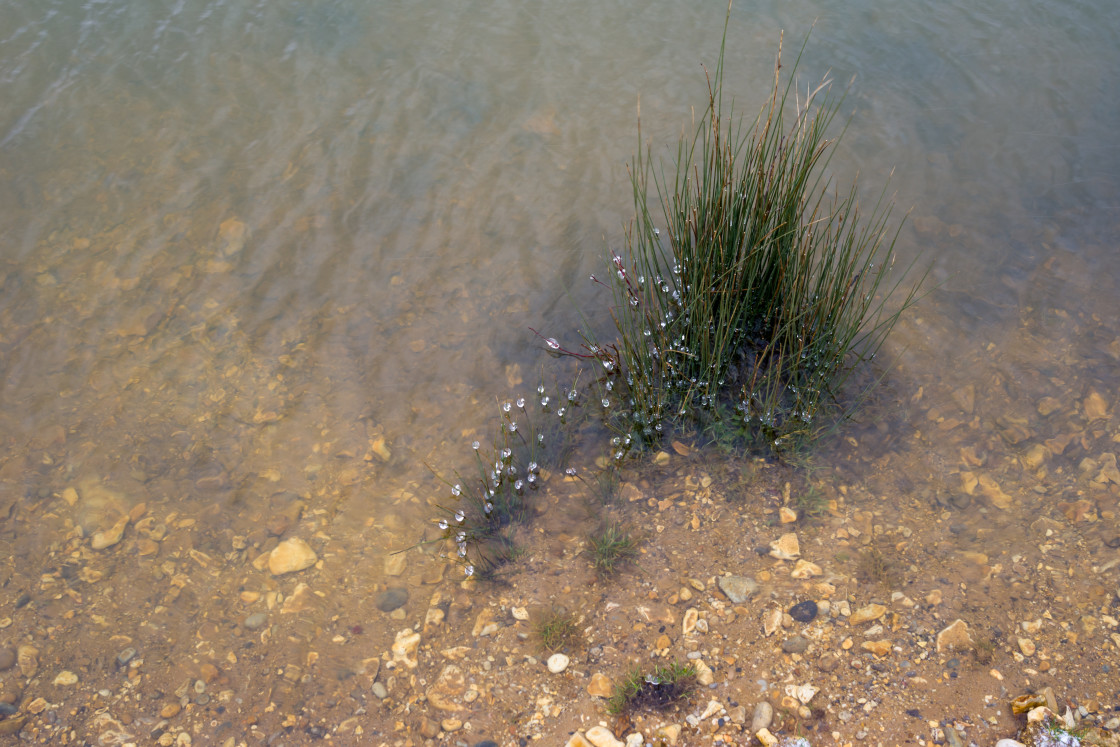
point(665, 685)
point(534, 436)
point(766, 289)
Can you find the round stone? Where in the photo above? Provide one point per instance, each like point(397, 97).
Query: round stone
point(557, 663)
point(290, 556)
point(255, 620)
point(391, 599)
point(804, 611)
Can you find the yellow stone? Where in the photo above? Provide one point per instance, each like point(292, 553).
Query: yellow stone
point(601, 686)
point(867, 614)
point(291, 555)
point(954, 636)
point(879, 648)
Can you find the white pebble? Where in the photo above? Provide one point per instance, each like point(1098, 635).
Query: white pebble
point(557, 663)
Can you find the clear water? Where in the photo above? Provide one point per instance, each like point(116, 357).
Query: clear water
point(256, 247)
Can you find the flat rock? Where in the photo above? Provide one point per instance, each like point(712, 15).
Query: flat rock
point(1094, 406)
point(601, 736)
point(771, 620)
point(805, 569)
point(404, 648)
point(738, 588)
point(485, 624)
point(879, 648)
point(867, 614)
point(395, 563)
point(954, 636)
point(391, 599)
point(600, 686)
point(291, 555)
point(795, 645)
point(109, 537)
point(66, 677)
point(300, 600)
point(785, 547)
point(688, 624)
point(451, 683)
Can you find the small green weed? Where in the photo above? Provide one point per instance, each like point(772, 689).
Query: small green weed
point(873, 567)
point(556, 630)
point(611, 546)
point(658, 690)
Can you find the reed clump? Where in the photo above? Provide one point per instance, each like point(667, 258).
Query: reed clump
point(750, 287)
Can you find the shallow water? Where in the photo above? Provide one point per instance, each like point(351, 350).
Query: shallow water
point(259, 254)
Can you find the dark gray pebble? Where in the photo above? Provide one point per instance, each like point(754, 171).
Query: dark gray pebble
point(486, 743)
point(7, 709)
point(804, 612)
point(391, 599)
point(7, 658)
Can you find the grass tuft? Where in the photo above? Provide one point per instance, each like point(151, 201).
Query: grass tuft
point(611, 547)
point(556, 630)
point(659, 689)
point(767, 288)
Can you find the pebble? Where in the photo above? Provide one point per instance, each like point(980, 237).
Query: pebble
point(66, 677)
point(738, 588)
point(7, 658)
point(255, 620)
point(391, 599)
point(795, 645)
point(804, 569)
point(404, 648)
point(601, 736)
point(803, 611)
point(110, 536)
point(28, 658)
point(879, 648)
point(291, 555)
point(867, 614)
point(557, 663)
point(954, 636)
point(763, 716)
point(785, 547)
point(600, 685)
point(379, 690)
point(691, 616)
point(450, 684)
point(771, 620)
